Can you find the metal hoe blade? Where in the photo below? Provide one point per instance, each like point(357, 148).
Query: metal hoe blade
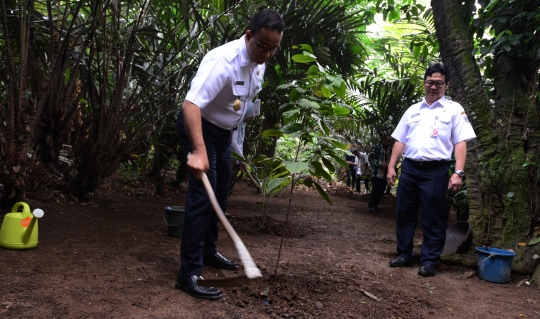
point(225, 282)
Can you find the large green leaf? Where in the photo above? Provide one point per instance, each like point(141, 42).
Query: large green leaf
point(313, 70)
point(272, 132)
point(341, 89)
point(293, 128)
point(304, 47)
point(341, 111)
point(326, 90)
point(337, 143)
point(291, 114)
point(276, 183)
point(300, 58)
point(325, 128)
point(296, 167)
point(285, 87)
point(328, 164)
point(307, 104)
point(320, 171)
point(323, 193)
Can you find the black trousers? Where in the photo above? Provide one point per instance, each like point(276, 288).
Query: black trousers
point(201, 224)
point(378, 186)
point(351, 177)
point(359, 179)
point(422, 187)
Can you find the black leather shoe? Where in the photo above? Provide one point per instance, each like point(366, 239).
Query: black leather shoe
point(189, 285)
point(427, 271)
point(400, 262)
point(218, 261)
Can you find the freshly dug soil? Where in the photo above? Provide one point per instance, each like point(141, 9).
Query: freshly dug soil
point(111, 257)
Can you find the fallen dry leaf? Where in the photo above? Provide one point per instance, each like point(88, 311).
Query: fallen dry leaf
point(372, 296)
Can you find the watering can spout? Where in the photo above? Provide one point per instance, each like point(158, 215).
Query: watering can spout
point(28, 231)
point(38, 213)
point(20, 229)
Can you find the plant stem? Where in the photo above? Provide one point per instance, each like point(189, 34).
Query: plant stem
point(288, 211)
point(284, 225)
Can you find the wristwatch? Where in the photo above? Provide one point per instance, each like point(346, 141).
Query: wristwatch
point(459, 173)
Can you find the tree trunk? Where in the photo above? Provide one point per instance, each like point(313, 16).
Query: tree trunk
point(502, 174)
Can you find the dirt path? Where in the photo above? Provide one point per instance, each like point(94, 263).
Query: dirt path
point(112, 258)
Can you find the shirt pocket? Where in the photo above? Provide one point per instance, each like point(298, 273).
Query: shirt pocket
point(445, 124)
point(412, 122)
point(240, 90)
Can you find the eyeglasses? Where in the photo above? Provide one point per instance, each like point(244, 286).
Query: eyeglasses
point(265, 48)
point(437, 84)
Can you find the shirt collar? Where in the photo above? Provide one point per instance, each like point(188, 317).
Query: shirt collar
point(439, 103)
point(244, 57)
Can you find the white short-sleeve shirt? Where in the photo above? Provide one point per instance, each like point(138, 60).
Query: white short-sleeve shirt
point(226, 74)
point(417, 126)
point(359, 161)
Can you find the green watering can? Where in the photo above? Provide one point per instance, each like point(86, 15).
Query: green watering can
point(20, 229)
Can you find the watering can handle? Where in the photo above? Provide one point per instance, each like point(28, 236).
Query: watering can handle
point(26, 209)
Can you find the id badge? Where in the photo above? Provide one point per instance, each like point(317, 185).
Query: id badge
point(257, 107)
point(434, 131)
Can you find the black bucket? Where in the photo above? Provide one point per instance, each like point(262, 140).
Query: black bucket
point(174, 219)
point(458, 238)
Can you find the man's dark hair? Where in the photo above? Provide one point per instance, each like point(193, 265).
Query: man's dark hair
point(438, 67)
point(266, 18)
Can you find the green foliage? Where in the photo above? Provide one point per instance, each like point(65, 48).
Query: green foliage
point(399, 53)
point(313, 104)
point(273, 178)
point(459, 203)
point(512, 27)
point(534, 241)
point(380, 103)
point(410, 36)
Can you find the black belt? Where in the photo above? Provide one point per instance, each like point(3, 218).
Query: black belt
point(428, 163)
point(208, 123)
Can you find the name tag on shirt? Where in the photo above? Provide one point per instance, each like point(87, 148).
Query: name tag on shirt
point(434, 131)
point(257, 107)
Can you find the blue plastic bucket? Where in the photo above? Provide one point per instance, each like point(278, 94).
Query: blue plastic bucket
point(494, 264)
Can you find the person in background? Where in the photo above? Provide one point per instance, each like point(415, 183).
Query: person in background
point(366, 176)
point(350, 159)
point(378, 159)
point(228, 79)
point(427, 134)
point(361, 163)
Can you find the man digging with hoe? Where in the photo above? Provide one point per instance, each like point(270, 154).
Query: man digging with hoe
point(229, 77)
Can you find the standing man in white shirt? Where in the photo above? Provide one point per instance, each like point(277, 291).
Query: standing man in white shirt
point(228, 79)
point(362, 170)
point(427, 134)
point(361, 162)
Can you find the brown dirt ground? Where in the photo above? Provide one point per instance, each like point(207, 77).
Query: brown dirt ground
point(111, 258)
